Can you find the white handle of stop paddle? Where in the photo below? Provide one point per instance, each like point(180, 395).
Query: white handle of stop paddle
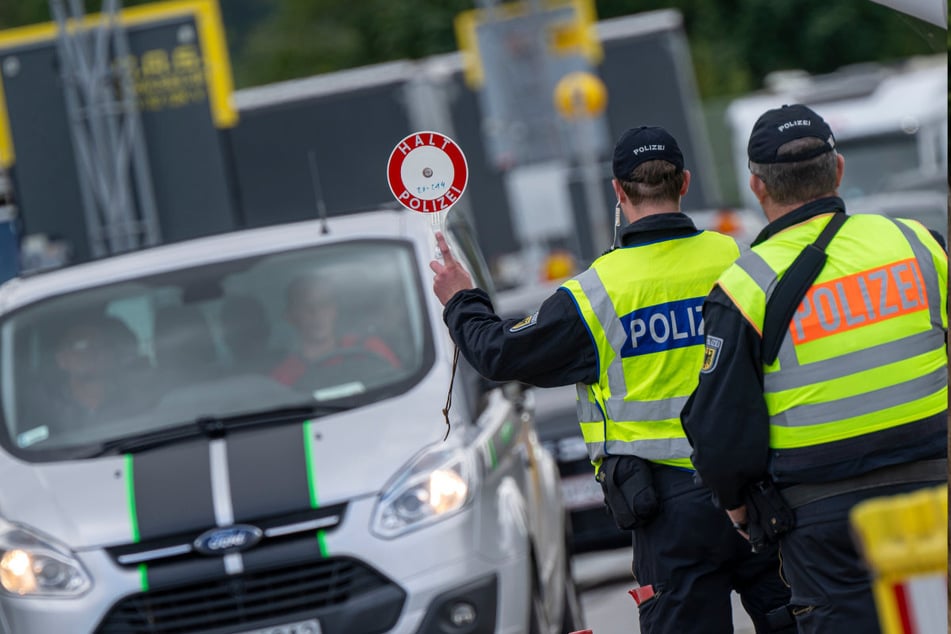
point(437, 222)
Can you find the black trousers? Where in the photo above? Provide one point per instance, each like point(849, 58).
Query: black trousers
point(694, 558)
point(831, 585)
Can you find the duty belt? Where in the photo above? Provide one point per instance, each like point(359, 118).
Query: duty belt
point(908, 473)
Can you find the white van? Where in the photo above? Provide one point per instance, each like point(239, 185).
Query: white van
point(245, 433)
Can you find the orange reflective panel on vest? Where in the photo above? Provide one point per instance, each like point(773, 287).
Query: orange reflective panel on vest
point(859, 299)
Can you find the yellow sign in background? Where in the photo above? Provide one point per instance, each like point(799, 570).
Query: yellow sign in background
point(191, 72)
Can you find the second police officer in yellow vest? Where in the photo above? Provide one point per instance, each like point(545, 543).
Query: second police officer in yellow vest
point(852, 400)
point(628, 332)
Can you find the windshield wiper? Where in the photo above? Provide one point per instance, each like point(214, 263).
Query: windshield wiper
point(215, 427)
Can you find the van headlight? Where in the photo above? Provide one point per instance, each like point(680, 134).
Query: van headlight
point(31, 565)
point(433, 486)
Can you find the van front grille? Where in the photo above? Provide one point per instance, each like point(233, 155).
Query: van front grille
point(245, 601)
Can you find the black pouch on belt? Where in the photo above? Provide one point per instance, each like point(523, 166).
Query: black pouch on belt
point(628, 487)
point(769, 514)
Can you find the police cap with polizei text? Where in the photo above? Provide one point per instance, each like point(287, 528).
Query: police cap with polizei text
point(646, 143)
point(779, 126)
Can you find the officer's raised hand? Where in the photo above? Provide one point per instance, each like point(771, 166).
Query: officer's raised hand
point(451, 277)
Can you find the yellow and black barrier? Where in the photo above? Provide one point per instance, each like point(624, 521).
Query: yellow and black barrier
point(904, 539)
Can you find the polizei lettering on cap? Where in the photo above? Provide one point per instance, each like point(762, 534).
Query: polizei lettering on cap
point(663, 327)
point(798, 123)
point(859, 300)
point(648, 148)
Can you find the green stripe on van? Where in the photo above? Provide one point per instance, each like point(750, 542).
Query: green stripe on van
point(130, 495)
point(309, 458)
point(312, 482)
point(144, 577)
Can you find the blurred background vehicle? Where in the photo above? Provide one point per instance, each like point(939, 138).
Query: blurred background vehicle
point(927, 206)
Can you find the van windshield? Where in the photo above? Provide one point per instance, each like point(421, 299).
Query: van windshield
point(337, 323)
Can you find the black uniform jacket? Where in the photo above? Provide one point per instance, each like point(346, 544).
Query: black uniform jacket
point(726, 419)
point(555, 347)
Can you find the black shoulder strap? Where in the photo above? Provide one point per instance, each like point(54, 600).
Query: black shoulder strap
point(792, 288)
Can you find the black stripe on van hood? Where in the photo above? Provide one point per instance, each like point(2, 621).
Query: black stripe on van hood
point(172, 488)
point(268, 472)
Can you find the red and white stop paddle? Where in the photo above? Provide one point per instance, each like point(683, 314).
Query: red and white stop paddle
point(427, 173)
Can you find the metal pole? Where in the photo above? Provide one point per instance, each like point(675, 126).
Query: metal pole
point(144, 188)
point(106, 130)
point(594, 193)
point(118, 205)
point(84, 161)
point(88, 76)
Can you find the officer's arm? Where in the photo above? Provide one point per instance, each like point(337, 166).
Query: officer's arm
point(725, 418)
point(547, 349)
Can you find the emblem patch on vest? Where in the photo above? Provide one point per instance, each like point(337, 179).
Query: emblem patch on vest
point(528, 322)
point(711, 354)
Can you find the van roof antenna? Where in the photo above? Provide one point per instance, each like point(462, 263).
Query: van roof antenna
point(318, 192)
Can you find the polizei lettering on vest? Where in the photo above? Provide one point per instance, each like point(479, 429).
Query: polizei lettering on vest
point(859, 300)
point(663, 327)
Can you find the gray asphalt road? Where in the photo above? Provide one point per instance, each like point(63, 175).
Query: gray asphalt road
point(604, 579)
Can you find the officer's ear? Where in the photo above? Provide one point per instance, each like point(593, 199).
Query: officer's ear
point(618, 190)
point(758, 187)
point(839, 169)
point(686, 185)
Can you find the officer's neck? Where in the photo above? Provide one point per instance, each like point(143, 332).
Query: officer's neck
point(636, 212)
point(774, 211)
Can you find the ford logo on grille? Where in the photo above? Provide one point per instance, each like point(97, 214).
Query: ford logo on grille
point(221, 541)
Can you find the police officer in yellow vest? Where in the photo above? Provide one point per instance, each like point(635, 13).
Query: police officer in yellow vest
point(851, 402)
point(628, 332)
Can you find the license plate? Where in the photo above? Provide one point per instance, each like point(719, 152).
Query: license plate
point(581, 492)
point(310, 626)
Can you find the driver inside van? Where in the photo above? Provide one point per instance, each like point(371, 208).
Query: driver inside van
point(321, 355)
point(93, 357)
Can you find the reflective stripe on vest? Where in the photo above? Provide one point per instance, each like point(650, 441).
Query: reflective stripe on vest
point(649, 338)
point(865, 349)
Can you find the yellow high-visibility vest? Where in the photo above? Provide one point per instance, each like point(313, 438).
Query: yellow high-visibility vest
point(643, 307)
point(865, 350)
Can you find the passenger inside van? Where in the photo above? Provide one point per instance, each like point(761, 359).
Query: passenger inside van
point(323, 355)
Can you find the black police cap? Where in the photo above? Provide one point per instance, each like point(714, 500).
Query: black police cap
point(779, 126)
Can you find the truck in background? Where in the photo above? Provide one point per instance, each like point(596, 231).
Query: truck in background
point(890, 123)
